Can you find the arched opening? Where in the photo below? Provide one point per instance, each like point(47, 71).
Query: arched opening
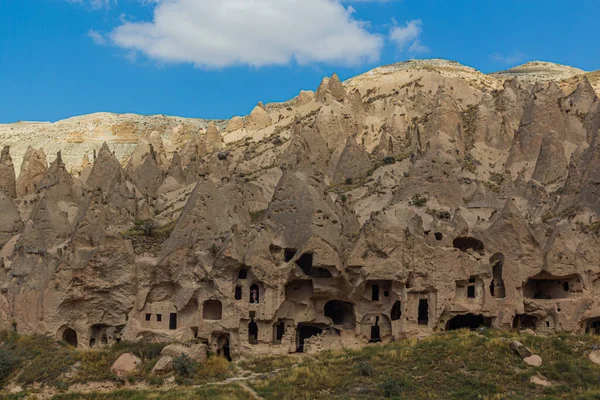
point(304, 332)
point(396, 311)
point(278, 331)
point(212, 310)
point(340, 312)
point(423, 316)
point(252, 333)
point(223, 349)
point(524, 321)
point(92, 342)
point(288, 254)
point(469, 321)
point(497, 286)
point(254, 294)
point(238, 292)
point(547, 286)
point(592, 326)
point(243, 274)
point(468, 243)
point(375, 332)
point(70, 337)
point(305, 262)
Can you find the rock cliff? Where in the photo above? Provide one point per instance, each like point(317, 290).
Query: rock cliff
point(417, 197)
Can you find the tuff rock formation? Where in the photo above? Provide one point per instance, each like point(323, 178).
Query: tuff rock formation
point(418, 197)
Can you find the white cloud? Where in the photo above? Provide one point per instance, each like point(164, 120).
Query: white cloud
point(513, 58)
point(95, 3)
point(97, 37)
point(221, 33)
point(407, 37)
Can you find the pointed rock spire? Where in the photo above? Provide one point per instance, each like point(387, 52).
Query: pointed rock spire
point(258, 119)
point(33, 168)
point(7, 174)
point(214, 140)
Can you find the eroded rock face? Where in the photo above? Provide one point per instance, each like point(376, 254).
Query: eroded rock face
point(418, 197)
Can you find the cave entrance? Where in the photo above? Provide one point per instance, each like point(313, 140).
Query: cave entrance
point(278, 332)
point(548, 286)
point(305, 262)
point(238, 292)
point(375, 332)
point(468, 243)
point(396, 311)
point(423, 317)
point(469, 321)
point(340, 312)
point(375, 292)
point(252, 333)
point(70, 337)
point(592, 326)
point(223, 348)
point(497, 286)
point(524, 321)
point(304, 332)
point(288, 254)
point(173, 321)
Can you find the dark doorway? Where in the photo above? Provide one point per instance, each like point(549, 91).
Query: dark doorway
point(469, 321)
point(396, 311)
point(288, 254)
point(252, 333)
point(375, 332)
point(375, 292)
point(223, 347)
point(468, 243)
point(471, 289)
point(70, 336)
point(243, 274)
point(92, 342)
point(305, 262)
point(238, 292)
point(524, 321)
point(423, 317)
point(254, 294)
point(439, 236)
point(497, 286)
point(173, 321)
point(340, 312)
point(304, 332)
point(279, 331)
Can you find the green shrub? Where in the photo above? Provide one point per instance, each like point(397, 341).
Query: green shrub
point(145, 226)
point(418, 201)
point(348, 181)
point(364, 368)
point(392, 387)
point(7, 364)
point(389, 160)
point(184, 365)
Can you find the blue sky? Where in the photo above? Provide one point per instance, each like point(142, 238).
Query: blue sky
point(218, 58)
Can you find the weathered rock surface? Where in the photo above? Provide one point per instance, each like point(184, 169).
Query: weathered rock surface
point(125, 364)
point(417, 197)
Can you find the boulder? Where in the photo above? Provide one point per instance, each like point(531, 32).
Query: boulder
point(125, 364)
point(594, 356)
point(533, 361)
point(520, 349)
point(196, 352)
point(163, 365)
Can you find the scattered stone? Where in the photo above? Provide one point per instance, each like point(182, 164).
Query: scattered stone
point(533, 361)
point(163, 365)
point(196, 352)
point(540, 380)
point(125, 364)
point(594, 356)
point(520, 349)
